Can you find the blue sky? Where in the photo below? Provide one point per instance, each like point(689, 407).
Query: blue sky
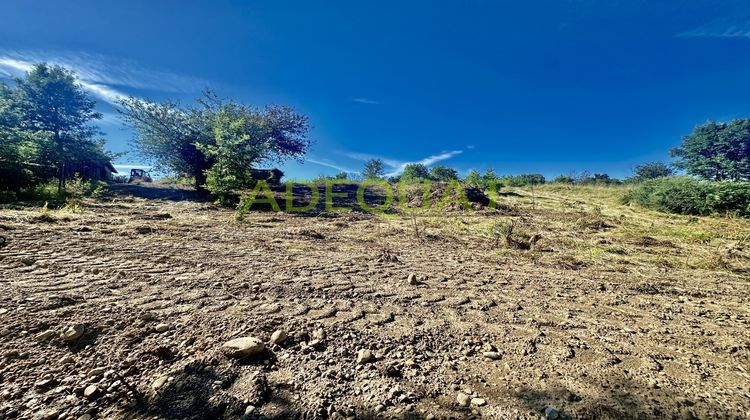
point(520, 86)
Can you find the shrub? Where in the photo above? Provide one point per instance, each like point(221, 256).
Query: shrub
point(685, 195)
point(524, 179)
point(651, 170)
point(7, 197)
point(730, 197)
point(563, 179)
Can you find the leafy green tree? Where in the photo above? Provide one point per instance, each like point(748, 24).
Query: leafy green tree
point(340, 176)
point(415, 172)
point(652, 170)
point(525, 179)
point(716, 151)
point(54, 109)
point(489, 175)
point(11, 171)
point(374, 169)
point(473, 178)
point(443, 174)
point(216, 142)
point(168, 134)
point(564, 179)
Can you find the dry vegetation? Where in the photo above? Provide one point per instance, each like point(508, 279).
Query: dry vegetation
point(611, 312)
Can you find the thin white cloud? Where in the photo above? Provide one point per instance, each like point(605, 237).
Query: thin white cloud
point(364, 157)
point(366, 101)
point(332, 165)
point(722, 27)
point(397, 166)
point(105, 77)
point(430, 160)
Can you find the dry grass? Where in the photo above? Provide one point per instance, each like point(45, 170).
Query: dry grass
point(587, 226)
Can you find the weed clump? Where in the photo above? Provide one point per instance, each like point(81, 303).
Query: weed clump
point(514, 237)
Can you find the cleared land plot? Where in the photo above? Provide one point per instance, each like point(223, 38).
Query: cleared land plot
point(616, 311)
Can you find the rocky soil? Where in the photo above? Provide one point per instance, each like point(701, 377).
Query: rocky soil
point(144, 307)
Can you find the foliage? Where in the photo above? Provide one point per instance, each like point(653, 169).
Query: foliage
point(563, 179)
point(524, 179)
point(45, 129)
point(374, 169)
point(322, 178)
point(55, 111)
point(473, 178)
point(685, 195)
point(717, 151)
point(216, 142)
point(78, 189)
point(651, 170)
point(415, 172)
point(489, 175)
point(443, 174)
point(598, 178)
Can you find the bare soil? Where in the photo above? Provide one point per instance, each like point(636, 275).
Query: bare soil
point(600, 320)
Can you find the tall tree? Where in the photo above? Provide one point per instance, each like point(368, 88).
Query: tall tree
point(52, 105)
point(717, 151)
point(415, 172)
point(244, 137)
point(215, 141)
point(651, 170)
point(168, 134)
point(443, 173)
point(473, 178)
point(374, 169)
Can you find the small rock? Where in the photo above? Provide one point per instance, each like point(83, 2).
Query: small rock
point(160, 328)
point(159, 382)
point(46, 383)
point(85, 417)
point(479, 402)
point(413, 279)
point(90, 391)
point(319, 334)
point(73, 332)
point(364, 356)
point(47, 414)
point(243, 347)
point(44, 336)
point(492, 355)
point(250, 409)
point(463, 399)
point(278, 337)
point(551, 414)
point(98, 371)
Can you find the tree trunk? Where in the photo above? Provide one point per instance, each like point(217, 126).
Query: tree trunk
point(200, 181)
point(61, 178)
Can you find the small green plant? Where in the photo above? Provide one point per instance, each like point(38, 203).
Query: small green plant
point(78, 189)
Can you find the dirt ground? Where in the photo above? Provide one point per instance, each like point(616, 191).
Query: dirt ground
point(615, 313)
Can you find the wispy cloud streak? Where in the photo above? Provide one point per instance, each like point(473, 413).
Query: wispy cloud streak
point(397, 166)
point(366, 101)
point(722, 27)
point(332, 165)
point(105, 77)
